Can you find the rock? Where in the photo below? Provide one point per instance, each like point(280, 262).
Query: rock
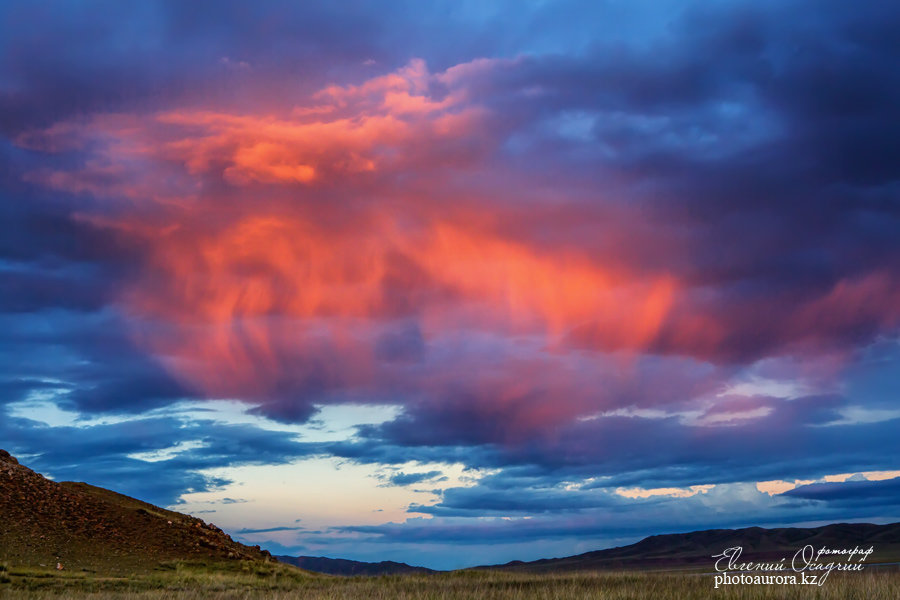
point(7, 457)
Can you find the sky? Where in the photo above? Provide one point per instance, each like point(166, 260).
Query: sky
point(455, 283)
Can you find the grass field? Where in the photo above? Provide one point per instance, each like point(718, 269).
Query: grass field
point(276, 582)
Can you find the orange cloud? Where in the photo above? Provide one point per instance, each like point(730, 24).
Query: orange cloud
point(385, 124)
point(238, 290)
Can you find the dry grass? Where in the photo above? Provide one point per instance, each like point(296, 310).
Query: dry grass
point(196, 584)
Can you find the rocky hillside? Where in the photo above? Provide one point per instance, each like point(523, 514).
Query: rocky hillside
point(82, 527)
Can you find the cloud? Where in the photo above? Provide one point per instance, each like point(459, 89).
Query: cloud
point(849, 493)
point(267, 530)
point(401, 478)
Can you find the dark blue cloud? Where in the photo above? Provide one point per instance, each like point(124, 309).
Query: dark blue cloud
point(401, 478)
point(267, 530)
point(88, 359)
point(851, 493)
point(630, 449)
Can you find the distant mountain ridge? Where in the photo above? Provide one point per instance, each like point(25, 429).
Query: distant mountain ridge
point(695, 549)
point(341, 566)
point(667, 551)
point(82, 527)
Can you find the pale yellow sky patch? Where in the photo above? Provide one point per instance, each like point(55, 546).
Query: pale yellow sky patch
point(320, 492)
point(671, 491)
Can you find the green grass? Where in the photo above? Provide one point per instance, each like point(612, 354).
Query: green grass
point(276, 582)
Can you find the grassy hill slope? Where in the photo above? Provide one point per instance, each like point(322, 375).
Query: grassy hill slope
point(86, 528)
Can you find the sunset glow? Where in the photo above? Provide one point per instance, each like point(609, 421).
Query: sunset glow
point(450, 283)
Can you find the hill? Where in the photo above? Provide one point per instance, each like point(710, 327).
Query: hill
point(83, 527)
point(695, 549)
point(340, 566)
